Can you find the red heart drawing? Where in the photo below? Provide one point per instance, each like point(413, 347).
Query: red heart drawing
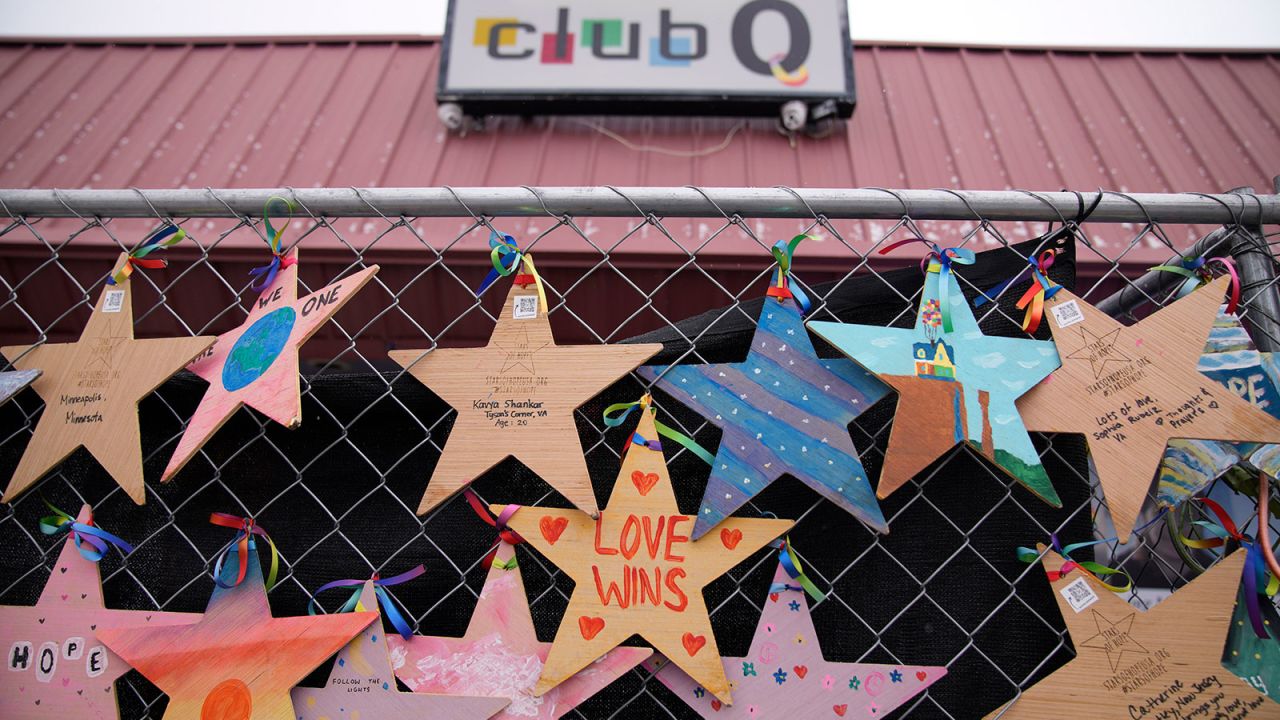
point(66, 681)
point(715, 705)
point(693, 643)
point(773, 597)
point(921, 675)
point(731, 538)
point(64, 597)
point(644, 482)
point(840, 709)
point(801, 670)
point(551, 527)
point(590, 626)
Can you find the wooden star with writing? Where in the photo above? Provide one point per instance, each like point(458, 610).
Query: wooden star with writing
point(238, 661)
point(636, 571)
point(256, 364)
point(1131, 389)
point(783, 410)
point(515, 397)
point(362, 684)
point(54, 666)
point(500, 655)
point(91, 390)
point(785, 675)
point(953, 387)
point(1130, 664)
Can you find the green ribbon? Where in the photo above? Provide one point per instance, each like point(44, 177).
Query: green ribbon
point(665, 431)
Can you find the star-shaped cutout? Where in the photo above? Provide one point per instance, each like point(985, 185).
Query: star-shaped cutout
point(956, 387)
point(237, 661)
point(256, 364)
point(501, 657)
point(13, 382)
point(1130, 412)
point(362, 684)
point(91, 390)
point(55, 667)
point(637, 572)
point(1110, 677)
point(787, 640)
point(782, 411)
point(515, 397)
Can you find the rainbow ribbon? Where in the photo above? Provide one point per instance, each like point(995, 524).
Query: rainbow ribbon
point(791, 563)
point(611, 419)
point(1093, 569)
point(938, 260)
point(506, 255)
point(167, 236)
point(389, 608)
point(82, 534)
point(245, 528)
point(505, 533)
point(1032, 300)
point(265, 275)
point(1257, 580)
point(1197, 273)
point(780, 285)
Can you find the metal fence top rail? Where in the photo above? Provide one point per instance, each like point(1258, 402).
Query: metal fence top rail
point(607, 201)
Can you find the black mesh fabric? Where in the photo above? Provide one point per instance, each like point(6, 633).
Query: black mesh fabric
point(337, 495)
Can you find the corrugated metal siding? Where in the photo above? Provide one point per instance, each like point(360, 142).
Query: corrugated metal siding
point(363, 114)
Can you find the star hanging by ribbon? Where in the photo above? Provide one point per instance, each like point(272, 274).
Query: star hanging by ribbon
point(1131, 389)
point(1157, 663)
point(238, 661)
point(500, 655)
point(782, 411)
point(515, 397)
point(256, 364)
point(954, 387)
point(91, 390)
point(637, 572)
point(784, 674)
point(362, 684)
point(54, 665)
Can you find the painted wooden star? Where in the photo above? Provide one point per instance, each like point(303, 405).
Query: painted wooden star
point(953, 387)
point(500, 655)
point(91, 390)
point(13, 382)
point(515, 397)
point(54, 667)
point(1163, 663)
point(782, 411)
point(1130, 389)
point(256, 364)
point(363, 685)
point(637, 572)
point(785, 675)
point(237, 662)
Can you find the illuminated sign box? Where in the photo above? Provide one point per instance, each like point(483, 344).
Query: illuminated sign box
point(741, 57)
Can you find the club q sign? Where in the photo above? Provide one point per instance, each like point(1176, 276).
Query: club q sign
point(647, 56)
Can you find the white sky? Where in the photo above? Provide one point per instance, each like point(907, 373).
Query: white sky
point(1175, 24)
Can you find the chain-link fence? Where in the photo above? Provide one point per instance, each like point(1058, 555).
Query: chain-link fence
point(683, 266)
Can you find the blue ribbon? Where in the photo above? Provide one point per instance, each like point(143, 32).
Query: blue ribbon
point(265, 275)
point(82, 534)
point(505, 251)
point(389, 608)
point(781, 286)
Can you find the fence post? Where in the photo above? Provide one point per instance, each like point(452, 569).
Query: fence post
point(1259, 292)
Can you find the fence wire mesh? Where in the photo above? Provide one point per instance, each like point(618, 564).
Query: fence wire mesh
point(338, 494)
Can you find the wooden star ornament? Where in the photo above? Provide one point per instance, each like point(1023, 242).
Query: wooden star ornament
point(516, 397)
point(500, 655)
point(91, 390)
point(1130, 389)
point(783, 410)
point(238, 662)
point(953, 387)
point(1162, 663)
point(54, 666)
point(637, 572)
point(785, 675)
point(256, 364)
point(362, 684)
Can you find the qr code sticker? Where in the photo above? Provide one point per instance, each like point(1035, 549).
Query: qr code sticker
point(1067, 314)
point(526, 307)
point(113, 302)
point(1079, 595)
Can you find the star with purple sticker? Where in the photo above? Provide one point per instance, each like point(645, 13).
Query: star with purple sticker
point(780, 676)
point(895, 676)
point(794, 605)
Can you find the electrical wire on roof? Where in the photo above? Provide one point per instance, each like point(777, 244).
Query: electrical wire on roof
point(728, 138)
